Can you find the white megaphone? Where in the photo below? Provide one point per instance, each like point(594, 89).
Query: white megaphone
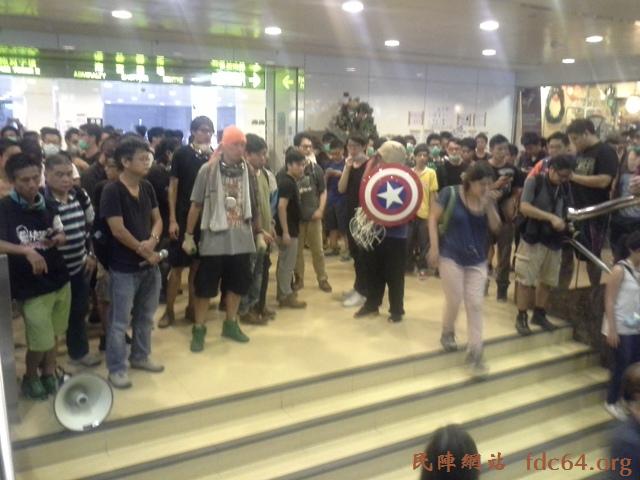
point(83, 402)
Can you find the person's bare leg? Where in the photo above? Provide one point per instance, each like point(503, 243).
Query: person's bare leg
point(524, 297)
point(542, 296)
point(201, 306)
point(192, 275)
point(232, 304)
point(33, 361)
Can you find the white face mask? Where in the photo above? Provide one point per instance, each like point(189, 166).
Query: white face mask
point(50, 149)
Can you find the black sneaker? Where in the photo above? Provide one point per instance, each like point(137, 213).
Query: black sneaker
point(365, 311)
point(543, 322)
point(521, 324)
point(394, 318)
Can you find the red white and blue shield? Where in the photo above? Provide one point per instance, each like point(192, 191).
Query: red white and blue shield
point(391, 195)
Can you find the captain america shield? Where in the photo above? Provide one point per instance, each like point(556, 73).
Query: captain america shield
point(391, 195)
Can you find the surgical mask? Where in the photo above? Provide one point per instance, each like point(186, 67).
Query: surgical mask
point(13, 139)
point(326, 147)
point(50, 149)
point(371, 151)
point(83, 144)
point(410, 148)
point(455, 159)
point(435, 151)
point(73, 149)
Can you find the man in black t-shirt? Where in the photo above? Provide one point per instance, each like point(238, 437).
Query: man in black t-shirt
point(287, 227)
point(354, 168)
point(596, 167)
point(450, 173)
point(185, 166)
point(130, 208)
point(507, 186)
point(30, 234)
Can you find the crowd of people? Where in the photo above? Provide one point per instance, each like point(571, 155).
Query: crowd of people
point(110, 223)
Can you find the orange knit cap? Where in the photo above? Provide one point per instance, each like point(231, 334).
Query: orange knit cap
point(233, 134)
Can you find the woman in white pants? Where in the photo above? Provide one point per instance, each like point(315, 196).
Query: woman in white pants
point(459, 225)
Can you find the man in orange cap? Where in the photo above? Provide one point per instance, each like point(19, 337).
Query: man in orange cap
point(222, 199)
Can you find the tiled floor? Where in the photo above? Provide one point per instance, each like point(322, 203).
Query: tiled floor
point(298, 344)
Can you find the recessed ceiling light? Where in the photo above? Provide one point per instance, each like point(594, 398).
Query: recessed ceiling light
point(162, 104)
point(134, 99)
point(151, 96)
point(178, 102)
point(352, 6)
point(120, 100)
point(68, 48)
point(273, 30)
point(568, 60)
point(172, 93)
point(594, 39)
point(489, 25)
point(121, 14)
point(108, 102)
point(392, 43)
point(488, 52)
point(350, 69)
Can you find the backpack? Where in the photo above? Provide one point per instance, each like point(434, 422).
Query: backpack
point(520, 221)
point(445, 218)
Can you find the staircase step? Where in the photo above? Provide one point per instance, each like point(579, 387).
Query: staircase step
point(345, 449)
point(401, 378)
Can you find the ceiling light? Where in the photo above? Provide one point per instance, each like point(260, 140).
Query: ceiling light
point(273, 30)
point(488, 52)
point(594, 39)
point(352, 6)
point(178, 102)
point(134, 99)
point(350, 69)
point(489, 25)
point(68, 48)
point(568, 60)
point(392, 43)
point(108, 102)
point(632, 105)
point(172, 93)
point(122, 14)
point(637, 23)
point(162, 104)
point(151, 96)
point(120, 100)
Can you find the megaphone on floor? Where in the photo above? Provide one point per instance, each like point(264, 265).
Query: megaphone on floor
point(83, 402)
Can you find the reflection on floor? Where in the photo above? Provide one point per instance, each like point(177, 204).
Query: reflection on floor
point(325, 339)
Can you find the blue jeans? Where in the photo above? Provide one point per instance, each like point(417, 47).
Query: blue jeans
point(134, 299)
point(628, 352)
point(253, 295)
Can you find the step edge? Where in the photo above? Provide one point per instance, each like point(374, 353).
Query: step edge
point(225, 446)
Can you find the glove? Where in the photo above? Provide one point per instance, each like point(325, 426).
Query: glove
point(261, 245)
point(189, 245)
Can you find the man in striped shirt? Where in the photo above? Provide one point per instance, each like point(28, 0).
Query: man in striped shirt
point(76, 213)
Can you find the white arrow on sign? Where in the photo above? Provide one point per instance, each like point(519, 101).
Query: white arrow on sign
point(287, 82)
point(255, 80)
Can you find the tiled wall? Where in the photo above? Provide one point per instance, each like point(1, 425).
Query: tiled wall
point(449, 96)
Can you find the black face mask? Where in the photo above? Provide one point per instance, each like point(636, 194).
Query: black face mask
point(231, 170)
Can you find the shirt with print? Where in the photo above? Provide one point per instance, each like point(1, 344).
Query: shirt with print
point(599, 159)
point(311, 186)
point(185, 166)
point(29, 228)
point(77, 216)
point(117, 201)
point(238, 237)
point(288, 188)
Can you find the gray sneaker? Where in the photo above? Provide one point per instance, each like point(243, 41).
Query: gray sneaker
point(120, 380)
point(89, 360)
point(448, 342)
point(147, 365)
point(477, 365)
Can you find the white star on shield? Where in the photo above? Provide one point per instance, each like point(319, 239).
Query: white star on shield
point(392, 195)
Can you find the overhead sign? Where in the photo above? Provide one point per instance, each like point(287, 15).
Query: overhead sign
point(126, 67)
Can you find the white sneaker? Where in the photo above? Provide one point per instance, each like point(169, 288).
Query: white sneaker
point(147, 365)
point(120, 380)
point(616, 410)
point(355, 300)
point(348, 294)
point(89, 360)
